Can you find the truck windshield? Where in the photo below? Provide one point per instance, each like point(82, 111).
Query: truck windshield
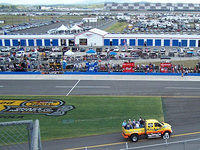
point(161, 123)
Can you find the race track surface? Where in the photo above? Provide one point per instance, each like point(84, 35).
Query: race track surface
point(99, 87)
point(181, 101)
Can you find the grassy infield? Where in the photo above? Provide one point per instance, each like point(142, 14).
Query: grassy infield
point(93, 114)
point(117, 27)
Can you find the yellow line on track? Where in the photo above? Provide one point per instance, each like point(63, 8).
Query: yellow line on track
point(111, 144)
point(95, 146)
point(192, 133)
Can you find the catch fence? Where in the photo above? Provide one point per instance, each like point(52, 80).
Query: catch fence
point(20, 135)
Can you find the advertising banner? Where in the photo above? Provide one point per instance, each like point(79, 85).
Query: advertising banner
point(128, 67)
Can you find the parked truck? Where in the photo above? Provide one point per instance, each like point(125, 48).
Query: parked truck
point(151, 128)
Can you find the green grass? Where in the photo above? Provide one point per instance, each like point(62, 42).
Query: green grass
point(117, 27)
point(93, 114)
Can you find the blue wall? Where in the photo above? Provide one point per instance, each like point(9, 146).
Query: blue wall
point(115, 42)
point(31, 42)
point(166, 42)
point(39, 42)
point(55, 42)
point(149, 42)
point(158, 42)
point(132, 42)
point(140, 42)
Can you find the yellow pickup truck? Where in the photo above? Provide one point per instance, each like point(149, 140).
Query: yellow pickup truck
point(152, 128)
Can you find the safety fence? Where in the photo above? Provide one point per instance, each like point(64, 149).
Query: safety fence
point(191, 144)
point(20, 135)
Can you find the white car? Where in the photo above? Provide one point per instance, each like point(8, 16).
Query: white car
point(116, 49)
point(162, 50)
point(20, 54)
point(106, 49)
point(123, 50)
point(5, 49)
point(198, 52)
point(55, 49)
point(130, 49)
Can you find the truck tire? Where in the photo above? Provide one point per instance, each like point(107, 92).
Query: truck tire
point(134, 137)
point(166, 135)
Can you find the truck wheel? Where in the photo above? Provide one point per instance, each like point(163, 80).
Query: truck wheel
point(166, 136)
point(134, 137)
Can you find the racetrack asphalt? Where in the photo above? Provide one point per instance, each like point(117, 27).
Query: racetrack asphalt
point(99, 87)
point(181, 101)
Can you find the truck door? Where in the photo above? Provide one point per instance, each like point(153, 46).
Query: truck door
point(157, 128)
point(149, 128)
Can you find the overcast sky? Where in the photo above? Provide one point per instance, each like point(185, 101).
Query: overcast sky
point(89, 1)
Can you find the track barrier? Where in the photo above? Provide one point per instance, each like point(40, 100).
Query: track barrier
point(103, 73)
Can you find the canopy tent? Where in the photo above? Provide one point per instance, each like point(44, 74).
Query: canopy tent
point(69, 53)
point(91, 51)
point(113, 53)
point(62, 28)
point(76, 28)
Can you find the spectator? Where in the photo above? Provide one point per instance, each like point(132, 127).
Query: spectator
point(129, 126)
point(129, 121)
point(137, 125)
point(124, 123)
point(134, 123)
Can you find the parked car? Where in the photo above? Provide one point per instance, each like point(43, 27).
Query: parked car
point(20, 54)
point(164, 57)
point(116, 49)
point(181, 54)
point(130, 49)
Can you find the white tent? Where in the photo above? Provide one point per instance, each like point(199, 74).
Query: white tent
point(76, 28)
point(62, 28)
point(69, 53)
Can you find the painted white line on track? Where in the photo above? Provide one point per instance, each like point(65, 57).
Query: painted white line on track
point(1, 86)
point(168, 143)
point(87, 87)
point(183, 88)
point(73, 87)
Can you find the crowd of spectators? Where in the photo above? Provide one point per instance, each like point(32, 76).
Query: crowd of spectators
point(133, 124)
point(46, 61)
point(26, 64)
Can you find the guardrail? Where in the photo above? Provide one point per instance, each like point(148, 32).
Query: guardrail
point(104, 73)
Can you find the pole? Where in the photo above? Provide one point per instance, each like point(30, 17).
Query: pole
point(126, 145)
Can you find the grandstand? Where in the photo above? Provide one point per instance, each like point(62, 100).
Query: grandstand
point(144, 6)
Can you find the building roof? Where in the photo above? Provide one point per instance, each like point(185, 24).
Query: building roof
point(98, 31)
